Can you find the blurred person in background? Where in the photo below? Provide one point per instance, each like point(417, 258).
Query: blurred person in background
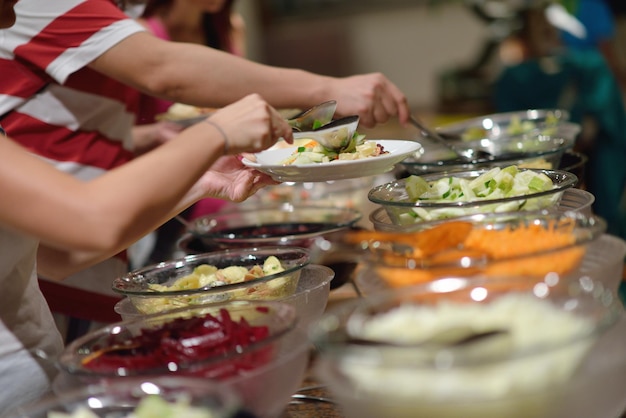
point(76, 69)
point(212, 23)
point(552, 75)
point(598, 31)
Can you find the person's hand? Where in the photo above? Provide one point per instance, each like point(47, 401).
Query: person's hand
point(229, 179)
point(150, 136)
point(250, 125)
point(371, 96)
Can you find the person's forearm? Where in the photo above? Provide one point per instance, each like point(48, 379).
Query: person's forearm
point(111, 211)
point(203, 76)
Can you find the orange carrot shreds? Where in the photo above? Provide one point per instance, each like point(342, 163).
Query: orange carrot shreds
point(560, 262)
point(424, 243)
point(445, 236)
point(513, 242)
point(310, 144)
point(532, 251)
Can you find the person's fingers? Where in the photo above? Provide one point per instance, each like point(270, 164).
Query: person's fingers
point(382, 107)
point(280, 127)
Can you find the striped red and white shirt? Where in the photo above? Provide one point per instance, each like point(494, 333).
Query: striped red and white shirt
point(57, 107)
point(50, 101)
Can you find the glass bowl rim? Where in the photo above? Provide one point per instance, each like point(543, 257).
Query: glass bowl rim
point(511, 157)
point(319, 332)
point(196, 228)
point(565, 181)
point(67, 361)
point(121, 284)
point(562, 115)
point(593, 225)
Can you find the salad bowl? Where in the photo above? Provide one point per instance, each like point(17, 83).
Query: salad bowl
point(241, 344)
point(533, 244)
point(477, 349)
point(438, 196)
point(243, 273)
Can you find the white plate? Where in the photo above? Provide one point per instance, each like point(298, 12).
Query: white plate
point(269, 162)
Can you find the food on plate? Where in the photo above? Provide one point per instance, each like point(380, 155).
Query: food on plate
point(151, 406)
point(531, 250)
point(207, 276)
point(203, 344)
point(311, 152)
point(530, 345)
point(496, 183)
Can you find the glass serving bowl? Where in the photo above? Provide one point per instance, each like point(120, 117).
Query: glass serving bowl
point(576, 200)
point(139, 285)
point(523, 124)
point(271, 224)
point(533, 244)
point(309, 298)
point(472, 348)
point(402, 210)
point(120, 398)
point(575, 162)
point(259, 342)
point(539, 151)
point(275, 224)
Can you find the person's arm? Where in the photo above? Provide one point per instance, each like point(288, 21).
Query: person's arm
point(81, 223)
point(202, 76)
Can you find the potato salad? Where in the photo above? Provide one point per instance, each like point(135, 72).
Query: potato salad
point(311, 152)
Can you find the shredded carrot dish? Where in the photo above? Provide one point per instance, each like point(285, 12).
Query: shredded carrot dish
point(527, 250)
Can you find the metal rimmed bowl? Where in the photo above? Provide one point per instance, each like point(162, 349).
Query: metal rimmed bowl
point(403, 210)
point(176, 283)
point(531, 123)
point(539, 151)
point(547, 349)
point(270, 224)
point(534, 138)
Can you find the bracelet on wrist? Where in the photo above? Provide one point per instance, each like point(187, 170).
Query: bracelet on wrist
point(221, 131)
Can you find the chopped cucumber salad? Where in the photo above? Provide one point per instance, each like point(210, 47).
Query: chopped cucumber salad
point(495, 184)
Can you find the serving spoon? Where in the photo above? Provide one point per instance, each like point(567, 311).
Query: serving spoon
point(334, 136)
point(322, 113)
point(469, 154)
